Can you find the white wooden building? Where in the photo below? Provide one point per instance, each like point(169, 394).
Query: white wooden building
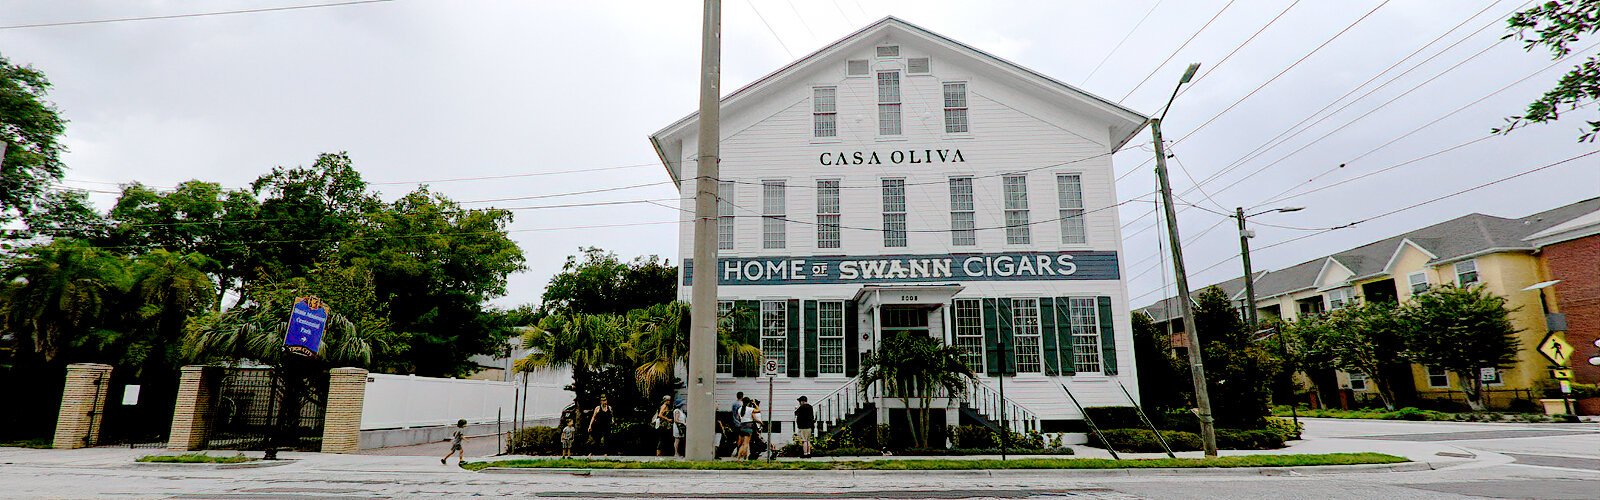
point(900, 181)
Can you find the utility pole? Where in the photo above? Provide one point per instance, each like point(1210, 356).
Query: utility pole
point(1208, 431)
point(1252, 315)
point(703, 294)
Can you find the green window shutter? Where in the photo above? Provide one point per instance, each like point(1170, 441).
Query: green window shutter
point(1047, 334)
point(1108, 341)
point(792, 357)
point(747, 328)
point(991, 337)
point(1063, 334)
point(852, 339)
point(1008, 363)
point(811, 338)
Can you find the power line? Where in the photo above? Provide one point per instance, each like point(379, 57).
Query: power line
point(1119, 43)
point(1235, 50)
point(769, 28)
point(423, 181)
point(1177, 50)
point(181, 16)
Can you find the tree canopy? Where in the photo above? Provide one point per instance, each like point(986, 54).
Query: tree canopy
point(31, 129)
point(1556, 26)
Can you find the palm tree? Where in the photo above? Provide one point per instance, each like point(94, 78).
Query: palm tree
point(660, 341)
point(256, 332)
point(917, 367)
point(169, 288)
point(58, 293)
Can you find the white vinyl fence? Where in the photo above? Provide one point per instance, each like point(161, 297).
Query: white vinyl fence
point(401, 401)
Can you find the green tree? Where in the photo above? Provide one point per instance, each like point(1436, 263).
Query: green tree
point(917, 367)
point(59, 292)
point(600, 283)
point(356, 334)
point(168, 289)
point(66, 214)
point(305, 213)
point(1239, 372)
point(196, 217)
point(1159, 374)
point(435, 265)
point(586, 343)
point(1555, 26)
point(30, 128)
point(1462, 330)
point(1310, 353)
point(1367, 338)
point(660, 342)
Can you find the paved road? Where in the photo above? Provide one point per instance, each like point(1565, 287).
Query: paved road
point(1473, 460)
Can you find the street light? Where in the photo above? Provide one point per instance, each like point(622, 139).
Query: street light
point(1250, 295)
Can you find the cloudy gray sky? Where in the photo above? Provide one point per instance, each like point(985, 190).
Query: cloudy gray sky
point(422, 90)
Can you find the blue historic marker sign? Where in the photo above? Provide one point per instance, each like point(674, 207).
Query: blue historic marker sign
point(306, 323)
point(1007, 266)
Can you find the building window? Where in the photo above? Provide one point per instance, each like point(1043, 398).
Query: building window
point(1085, 317)
point(830, 337)
point(1467, 273)
point(1418, 281)
point(773, 221)
point(1016, 195)
point(775, 333)
point(1358, 381)
point(1026, 334)
point(894, 212)
point(828, 213)
point(725, 192)
point(888, 51)
point(888, 103)
point(955, 108)
point(1438, 377)
point(963, 219)
point(1339, 298)
point(824, 113)
point(1069, 188)
point(969, 332)
point(724, 313)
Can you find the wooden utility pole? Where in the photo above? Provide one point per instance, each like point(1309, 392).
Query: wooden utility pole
point(702, 413)
point(1208, 431)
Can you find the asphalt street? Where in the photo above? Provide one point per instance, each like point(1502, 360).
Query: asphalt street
point(1468, 460)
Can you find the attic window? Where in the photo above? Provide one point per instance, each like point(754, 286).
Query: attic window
point(888, 51)
point(917, 66)
point(856, 67)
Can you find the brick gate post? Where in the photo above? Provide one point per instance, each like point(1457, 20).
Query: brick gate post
point(83, 405)
point(341, 423)
point(191, 414)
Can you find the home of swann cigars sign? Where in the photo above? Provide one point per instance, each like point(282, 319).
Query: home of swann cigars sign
point(1006, 266)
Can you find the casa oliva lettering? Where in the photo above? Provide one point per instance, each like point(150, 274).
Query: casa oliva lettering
point(910, 156)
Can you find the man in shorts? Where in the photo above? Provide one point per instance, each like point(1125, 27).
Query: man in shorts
point(805, 419)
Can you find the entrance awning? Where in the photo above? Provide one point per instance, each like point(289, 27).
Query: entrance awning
point(872, 296)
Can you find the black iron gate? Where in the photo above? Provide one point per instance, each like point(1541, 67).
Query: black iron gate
point(138, 410)
point(254, 407)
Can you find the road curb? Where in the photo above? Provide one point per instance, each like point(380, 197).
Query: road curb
point(1076, 473)
point(254, 464)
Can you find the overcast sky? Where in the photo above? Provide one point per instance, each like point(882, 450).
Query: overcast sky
point(421, 90)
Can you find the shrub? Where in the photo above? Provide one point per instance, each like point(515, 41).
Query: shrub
point(1257, 439)
point(973, 436)
point(1114, 417)
point(1144, 441)
point(1287, 428)
point(538, 440)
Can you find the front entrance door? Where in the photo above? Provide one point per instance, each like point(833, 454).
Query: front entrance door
point(908, 319)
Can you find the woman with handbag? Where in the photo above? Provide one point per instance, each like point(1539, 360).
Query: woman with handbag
point(662, 423)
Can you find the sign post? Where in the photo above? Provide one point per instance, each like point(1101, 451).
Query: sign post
point(1558, 351)
point(771, 369)
point(307, 320)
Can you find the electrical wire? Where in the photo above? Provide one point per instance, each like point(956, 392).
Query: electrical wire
point(1177, 50)
point(180, 16)
point(1124, 40)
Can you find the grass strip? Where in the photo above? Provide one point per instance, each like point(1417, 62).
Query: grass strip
point(946, 464)
point(36, 443)
point(194, 458)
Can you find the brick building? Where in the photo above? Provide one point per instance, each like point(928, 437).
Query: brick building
point(1570, 253)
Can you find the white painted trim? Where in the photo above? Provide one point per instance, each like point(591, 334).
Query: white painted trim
point(1324, 273)
point(1389, 267)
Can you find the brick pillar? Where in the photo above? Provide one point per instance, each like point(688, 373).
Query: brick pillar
point(83, 405)
point(191, 413)
point(341, 423)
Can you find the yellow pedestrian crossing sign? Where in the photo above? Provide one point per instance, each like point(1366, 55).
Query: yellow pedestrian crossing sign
point(1556, 349)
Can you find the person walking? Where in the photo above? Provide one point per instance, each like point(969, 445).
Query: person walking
point(805, 419)
point(662, 423)
point(455, 444)
point(600, 428)
point(569, 433)
point(747, 427)
point(680, 427)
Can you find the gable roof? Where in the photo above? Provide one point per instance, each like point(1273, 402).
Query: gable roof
point(1579, 227)
point(1169, 307)
point(1456, 239)
point(1125, 122)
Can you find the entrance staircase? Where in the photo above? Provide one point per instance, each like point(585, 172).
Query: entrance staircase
point(856, 401)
